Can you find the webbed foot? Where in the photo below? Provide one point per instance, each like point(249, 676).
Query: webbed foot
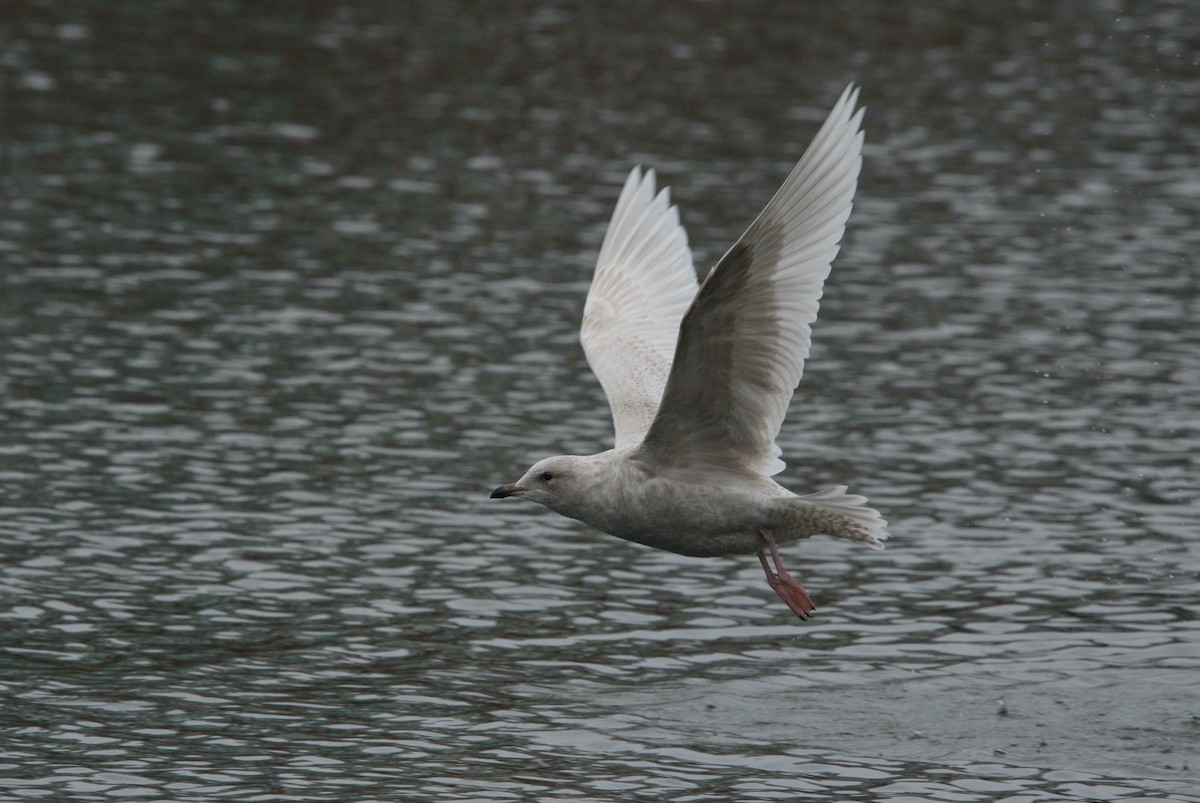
point(786, 586)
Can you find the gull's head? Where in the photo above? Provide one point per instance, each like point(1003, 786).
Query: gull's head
point(556, 482)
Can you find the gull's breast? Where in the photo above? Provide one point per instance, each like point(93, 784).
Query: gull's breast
point(685, 518)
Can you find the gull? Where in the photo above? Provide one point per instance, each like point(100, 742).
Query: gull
point(699, 377)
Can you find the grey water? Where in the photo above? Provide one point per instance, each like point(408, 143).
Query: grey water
point(286, 289)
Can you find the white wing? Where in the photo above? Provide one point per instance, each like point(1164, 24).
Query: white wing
point(643, 284)
point(743, 341)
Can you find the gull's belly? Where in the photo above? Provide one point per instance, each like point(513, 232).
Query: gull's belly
point(694, 520)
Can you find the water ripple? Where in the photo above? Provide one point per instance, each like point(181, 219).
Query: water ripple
point(285, 296)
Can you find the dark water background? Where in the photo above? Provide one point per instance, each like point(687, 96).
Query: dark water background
point(286, 289)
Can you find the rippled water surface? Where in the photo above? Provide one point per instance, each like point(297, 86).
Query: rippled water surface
point(287, 289)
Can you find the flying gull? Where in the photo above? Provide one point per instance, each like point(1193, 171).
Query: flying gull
point(699, 378)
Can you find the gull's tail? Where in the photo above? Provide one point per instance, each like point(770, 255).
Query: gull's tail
point(835, 512)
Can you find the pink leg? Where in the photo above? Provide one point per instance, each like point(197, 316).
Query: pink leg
point(786, 586)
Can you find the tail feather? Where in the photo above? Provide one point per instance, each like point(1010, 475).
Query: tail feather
point(846, 515)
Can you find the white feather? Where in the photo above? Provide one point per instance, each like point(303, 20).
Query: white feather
point(643, 284)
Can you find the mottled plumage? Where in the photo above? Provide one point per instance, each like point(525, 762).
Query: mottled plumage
point(699, 380)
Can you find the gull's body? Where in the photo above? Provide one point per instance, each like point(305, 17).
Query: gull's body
point(699, 378)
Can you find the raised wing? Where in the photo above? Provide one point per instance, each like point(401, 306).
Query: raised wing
point(743, 341)
point(643, 284)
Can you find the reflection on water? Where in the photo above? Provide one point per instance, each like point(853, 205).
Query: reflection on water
point(284, 294)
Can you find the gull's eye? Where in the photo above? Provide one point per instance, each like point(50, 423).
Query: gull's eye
point(546, 476)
